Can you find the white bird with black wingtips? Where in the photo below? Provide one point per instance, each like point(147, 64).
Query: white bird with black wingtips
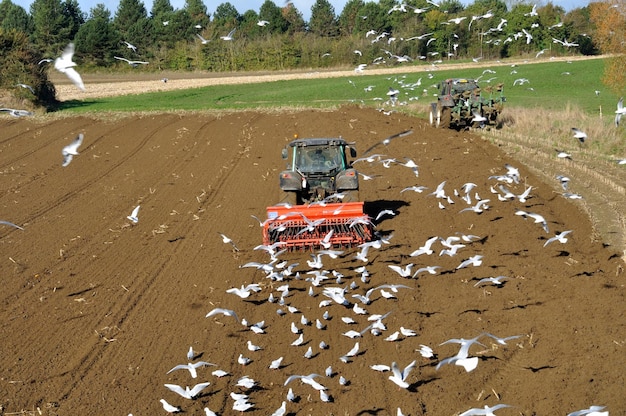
point(71, 149)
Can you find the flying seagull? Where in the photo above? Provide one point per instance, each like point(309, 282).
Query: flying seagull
point(389, 139)
point(579, 134)
point(133, 216)
point(132, 63)
point(71, 150)
point(229, 36)
point(621, 110)
point(65, 65)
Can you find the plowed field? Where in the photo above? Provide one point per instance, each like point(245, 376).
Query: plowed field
point(95, 310)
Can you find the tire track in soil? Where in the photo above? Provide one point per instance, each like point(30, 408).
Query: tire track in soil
point(120, 312)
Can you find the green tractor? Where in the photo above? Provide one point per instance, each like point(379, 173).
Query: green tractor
point(462, 103)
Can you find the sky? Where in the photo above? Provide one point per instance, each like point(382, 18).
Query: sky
point(304, 6)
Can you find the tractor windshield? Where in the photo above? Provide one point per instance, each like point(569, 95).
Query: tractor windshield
point(319, 159)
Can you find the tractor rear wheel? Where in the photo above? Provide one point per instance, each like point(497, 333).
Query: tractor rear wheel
point(443, 117)
point(432, 115)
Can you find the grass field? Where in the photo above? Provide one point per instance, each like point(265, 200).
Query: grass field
point(551, 86)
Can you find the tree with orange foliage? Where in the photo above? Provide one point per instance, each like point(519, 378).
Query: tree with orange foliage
point(609, 18)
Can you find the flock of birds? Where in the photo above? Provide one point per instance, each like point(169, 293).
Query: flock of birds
point(352, 300)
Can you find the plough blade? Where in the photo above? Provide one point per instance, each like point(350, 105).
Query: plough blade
point(306, 226)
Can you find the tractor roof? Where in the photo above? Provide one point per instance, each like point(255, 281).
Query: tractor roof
point(318, 142)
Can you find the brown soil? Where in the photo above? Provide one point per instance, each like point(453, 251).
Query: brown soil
point(95, 311)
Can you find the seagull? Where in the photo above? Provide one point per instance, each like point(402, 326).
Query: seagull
point(133, 215)
point(28, 87)
point(131, 63)
point(130, 46)
point(502, 341)
point(275, 365)
point(65, 65)
point(227, 240)
point(560, 237)
point(71, 150)
point(17, 113)
point(426, 248)
point(203, 40)
point(169, 408)
point(592, 411)
point(188, 393)
point(385, 212)
point(399, 377)
point(282, 410)
point(474, 261)
point(389, 139)
point(11, 224)
point(226, 312)
point(191, 367)
point(486, 411)
point(579, 134)
point(402, 271)
point(538, 218)
point(563, 155)
point(229, 36)
point(418, 189)
point(262, 23)
point(425, 351)
point(429, 269)
point(498, 281)
point(621, 110)
point(310, 380)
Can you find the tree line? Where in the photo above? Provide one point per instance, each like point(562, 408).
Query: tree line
point(386, 32)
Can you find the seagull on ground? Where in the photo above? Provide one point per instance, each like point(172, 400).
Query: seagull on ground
point(169, 408)
point(65, 65)
point(71, 149)
point(282, 410)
